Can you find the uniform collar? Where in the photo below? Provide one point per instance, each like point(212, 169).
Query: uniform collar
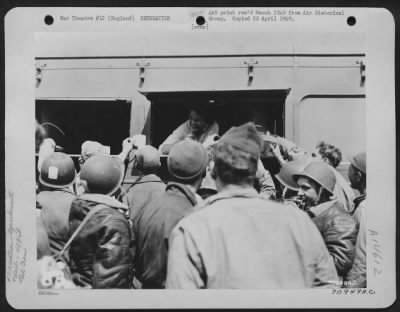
point(321, 208)
point(64, 190)
point(148, 178)
point(245, 192)
point(104, 199)
point(197, 196)
point(357, 201)
point(184, 190)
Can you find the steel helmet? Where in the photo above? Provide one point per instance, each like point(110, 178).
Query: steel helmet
point(320, 173)
point(285, 175)
point(57, 171)
point(103, 174)
point(187, 160)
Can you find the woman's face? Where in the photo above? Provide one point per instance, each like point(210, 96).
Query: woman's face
point(317, 156)
point(308, 190)
point(197, 122)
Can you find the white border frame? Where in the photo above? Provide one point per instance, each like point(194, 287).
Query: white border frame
point(20, 26)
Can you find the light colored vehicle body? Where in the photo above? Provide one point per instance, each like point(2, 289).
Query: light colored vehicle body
point(306, 87)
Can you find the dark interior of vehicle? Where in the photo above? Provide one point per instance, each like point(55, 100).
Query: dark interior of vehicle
point(71, 122)
point(232, 108)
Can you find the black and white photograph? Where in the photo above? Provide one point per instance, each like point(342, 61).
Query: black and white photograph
point(202, 149)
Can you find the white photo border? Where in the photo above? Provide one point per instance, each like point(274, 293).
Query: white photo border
point(21, 25)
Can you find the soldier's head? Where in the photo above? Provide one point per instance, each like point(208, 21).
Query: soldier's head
point(57, 171)
point(316, 183)
point(285, 176)
point(102, 174)
point(147, 160)
point(358, 171)
point(187, 162)
point(236, 156)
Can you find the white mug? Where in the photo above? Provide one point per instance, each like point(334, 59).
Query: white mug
point(139, 140)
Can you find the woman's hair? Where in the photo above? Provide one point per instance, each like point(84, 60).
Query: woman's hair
point(205, 111)
point(330, 152)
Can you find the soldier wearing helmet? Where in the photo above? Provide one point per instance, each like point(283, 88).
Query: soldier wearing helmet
point(316, 183)
point(91, 148)
point(56, 180)
point(148, 184)
point(240, 239)
point(338, 228)
point(100, 252)
point(289, 185)
point(187, 162)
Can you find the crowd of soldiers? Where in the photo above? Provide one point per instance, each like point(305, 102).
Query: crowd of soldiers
point(220, 221)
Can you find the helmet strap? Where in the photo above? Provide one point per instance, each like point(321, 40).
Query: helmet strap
point(74, 189)
point(321, 189)
point(284, 192)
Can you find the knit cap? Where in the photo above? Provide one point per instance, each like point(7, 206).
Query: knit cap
point(148, 158)
point(359, 161)
point(240, 148)
point(245, 138)
point(187, 160)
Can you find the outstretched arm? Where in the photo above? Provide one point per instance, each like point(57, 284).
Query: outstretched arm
point(179, 134)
